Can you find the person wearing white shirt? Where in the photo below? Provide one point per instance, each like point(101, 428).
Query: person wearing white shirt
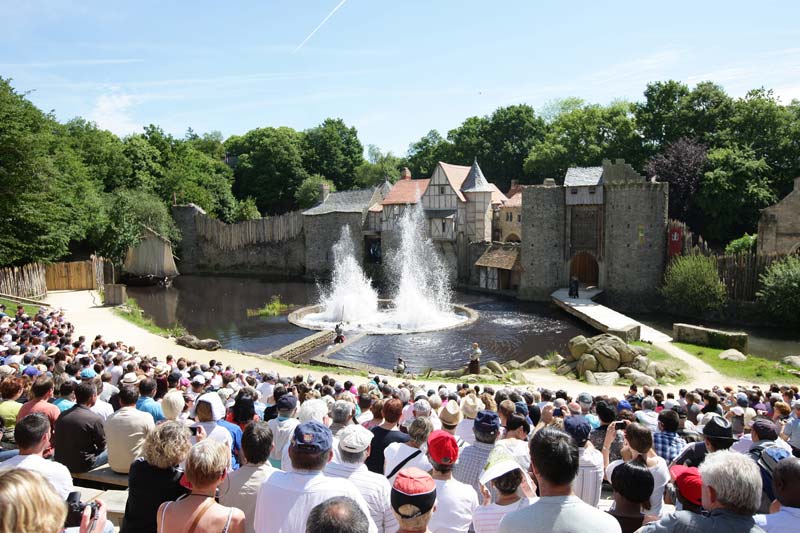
point(282, 427)
point(512, 487)
point(286, 498)
point(32, 435)
point(786, 479)
point(399, 455)
point(455, 501)
point(354, 447)
point(589, 481)
point(126, 430)
point(470, 405)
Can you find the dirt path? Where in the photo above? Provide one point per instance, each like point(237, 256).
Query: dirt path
point(85, 310)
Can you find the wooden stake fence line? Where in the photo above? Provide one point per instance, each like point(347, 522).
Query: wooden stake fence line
point(741, 273)
point(236, 236)
point(27, 281)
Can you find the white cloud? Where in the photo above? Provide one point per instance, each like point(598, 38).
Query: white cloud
point(112, 111)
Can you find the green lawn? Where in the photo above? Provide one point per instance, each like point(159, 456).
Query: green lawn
point(661, 356)
point(11, 307)
point(754, 368)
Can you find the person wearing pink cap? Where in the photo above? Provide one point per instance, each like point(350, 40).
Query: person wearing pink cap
point(413, 500)
point(457, 500)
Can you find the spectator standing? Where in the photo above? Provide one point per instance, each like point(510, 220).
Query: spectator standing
point(508, 480)
point(731, 494)
point(146, 403)
point(413, 500)
point(786, 483)
point(32, 435)
point(337, 515)
point(242, 488)
point(80, 439)
point(456, 501)
point(589, 480)
point(608, 419)
point(469, 468)
point(399, 455)
point(126, 430)
point(666, 442)
point(286, 498)
point(451, 417)
point(554, 462)
point(470, 405)
point(41, 392)
point(283, 426)
point(354, 448)
point(385, 434)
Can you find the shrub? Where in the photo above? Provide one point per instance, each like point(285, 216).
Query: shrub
point(692, 285)
point(744, 244)
point(780, 290)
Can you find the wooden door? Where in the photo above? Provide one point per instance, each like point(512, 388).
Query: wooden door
point(585, 268)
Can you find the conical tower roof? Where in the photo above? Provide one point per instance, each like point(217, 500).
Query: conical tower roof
point(476, 182)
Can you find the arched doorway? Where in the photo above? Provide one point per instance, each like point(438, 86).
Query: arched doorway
point(512, 237)
point(584, 266)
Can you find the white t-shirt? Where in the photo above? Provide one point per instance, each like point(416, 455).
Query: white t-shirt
point(464, 430)
point(56, 473)
point(265, 391)
point(487, 517)
point(455, 504)
point(396, 452)
point(103, 409)
point(282, 431)
point(660, 478)
point(589, 481)
point(285, 500)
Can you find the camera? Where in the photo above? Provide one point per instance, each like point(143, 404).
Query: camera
point(75, 509)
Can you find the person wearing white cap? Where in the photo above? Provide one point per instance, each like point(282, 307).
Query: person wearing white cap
point(208, 410)
point(354, 448)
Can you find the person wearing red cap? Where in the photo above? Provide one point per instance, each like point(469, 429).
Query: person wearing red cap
point(688, 488)
point(457, 501)
point(413, 499)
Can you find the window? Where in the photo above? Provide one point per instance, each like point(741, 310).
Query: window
point(591, 190)
point(443, 223)
point(441, 190)
point(519, 218)
point(573, 190)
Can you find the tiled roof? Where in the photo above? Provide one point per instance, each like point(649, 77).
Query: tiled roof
point(514, 190)
point(343, 202)
point(514, 201)
point(406, 192)
point(456, 174)
point(475, 180)
point(583, 176)
point(497, 196)
point(504, 257)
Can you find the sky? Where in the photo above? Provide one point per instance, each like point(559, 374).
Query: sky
point(393, 69)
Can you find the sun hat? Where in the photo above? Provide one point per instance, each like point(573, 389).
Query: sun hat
point(451, 414)
point(470, 406)
point(717, 427)
point(130, 379)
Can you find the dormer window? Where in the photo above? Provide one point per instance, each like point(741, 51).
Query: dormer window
point(573, 190)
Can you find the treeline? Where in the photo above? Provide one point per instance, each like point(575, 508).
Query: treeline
point(72, 187)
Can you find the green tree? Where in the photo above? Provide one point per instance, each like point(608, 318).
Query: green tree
point(333, 150)
point(662, 117)
point(146, 169)
point(424, 154)
point(269, 168)
point(743, 245)
point(780, 290)
point(378, 167)
point(209, 143)
point(102, 152)
point(692, 285)
point(308, 194)
point(246, 210)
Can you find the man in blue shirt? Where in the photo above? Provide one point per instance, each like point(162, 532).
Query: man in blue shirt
point(146, 403)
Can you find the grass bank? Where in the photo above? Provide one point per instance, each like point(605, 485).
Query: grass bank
point(135, 315)
point(754, 368)
point(11, 307)
point(673, 363)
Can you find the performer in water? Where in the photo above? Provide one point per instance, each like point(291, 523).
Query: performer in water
point(475, 359)
point(339, 329)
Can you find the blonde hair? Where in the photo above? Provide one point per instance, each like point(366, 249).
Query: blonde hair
point(172, 404)
point(167, 445)
point(207, 461)
point(30, 503)
point(418, 523)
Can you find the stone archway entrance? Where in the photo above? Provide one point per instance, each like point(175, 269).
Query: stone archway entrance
point(584, 266)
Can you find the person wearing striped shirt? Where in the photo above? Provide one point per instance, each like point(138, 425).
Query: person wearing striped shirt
point(589, 481)
point(470, 465)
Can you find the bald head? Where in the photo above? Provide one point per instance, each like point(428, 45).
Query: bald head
point(337, 515)
point(786, 482)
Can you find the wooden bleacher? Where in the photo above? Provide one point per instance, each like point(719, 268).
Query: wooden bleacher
point(104, 476)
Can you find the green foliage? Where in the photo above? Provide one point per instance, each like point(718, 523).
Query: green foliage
point(334, 151)
point(274, 307)
point(246, 210)
point(743, 245)
point(692, 285)
point(378, 167)
point(753, 368)
point(780, 290)
point(308, 194)
point(425, 153)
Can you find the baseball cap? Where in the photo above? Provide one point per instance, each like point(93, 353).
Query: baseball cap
point(287, 402)
point(354, 438)
point(585, 398)
point(199, 379)
point(313, 437)
point(578, 427)
point(624, 404)
point(442, 447)
point(765, 429)
point(487, 422)
point(451, 413)
point(741, 400)
point(688, 482)
point(413, 493)
point(88, 373)
point(521, 408)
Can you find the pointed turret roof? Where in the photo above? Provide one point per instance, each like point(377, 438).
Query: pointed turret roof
point(476, 182)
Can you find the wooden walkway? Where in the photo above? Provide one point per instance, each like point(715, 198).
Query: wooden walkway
point(601, 317)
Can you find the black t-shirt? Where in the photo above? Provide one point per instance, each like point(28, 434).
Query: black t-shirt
point(382, 438)
point(148, 488)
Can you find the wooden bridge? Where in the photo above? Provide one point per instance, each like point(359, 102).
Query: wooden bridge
point(601, 317)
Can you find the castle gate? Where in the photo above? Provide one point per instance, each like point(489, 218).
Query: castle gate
point(584, 266)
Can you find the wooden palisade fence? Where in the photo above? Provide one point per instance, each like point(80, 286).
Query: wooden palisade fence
point(741, 272)
point(75, 275)
point(242, 234)
point(27, 281)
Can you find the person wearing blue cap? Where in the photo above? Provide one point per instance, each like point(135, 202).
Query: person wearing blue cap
point(285, 499)
point(470, 466)
point(589, 480)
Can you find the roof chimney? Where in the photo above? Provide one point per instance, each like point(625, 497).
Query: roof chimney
point(405, 174)
point(324, 191)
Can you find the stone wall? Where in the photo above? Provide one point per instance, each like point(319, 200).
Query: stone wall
point(779, 226)
point(197, 255)
point(713, 338)
point(323, 231)
point(542, 251)
point(635, 242)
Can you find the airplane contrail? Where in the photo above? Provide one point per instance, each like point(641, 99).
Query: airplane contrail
point(310, 35)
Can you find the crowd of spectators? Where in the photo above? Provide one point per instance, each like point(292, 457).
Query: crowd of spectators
point(207, 447)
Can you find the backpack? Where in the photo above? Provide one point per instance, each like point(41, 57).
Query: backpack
point(767, 456)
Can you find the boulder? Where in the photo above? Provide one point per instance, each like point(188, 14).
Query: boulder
point(556, 360)
point(791, 360)
point(515, 377)
point(578, 346)
point(605, 379)
point(190, 341)
point(607, 357)
point(641, 379)
point(535, 362)
point(732, 354)
point(495, 367)
point(512, 365)
point(640, 363)
point(472, 378)
point(485, 371)
point(624, 371)
point(641, 350)
point(566, 368)
point(586, 362)
point(656, 370)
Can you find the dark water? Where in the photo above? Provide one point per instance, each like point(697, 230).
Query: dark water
point(770, 343)
point(217, 306)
